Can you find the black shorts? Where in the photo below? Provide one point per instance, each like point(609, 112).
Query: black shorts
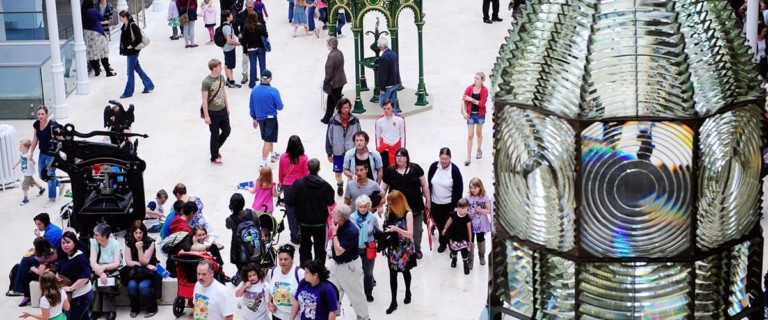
point(268, 129)
point(229, 59)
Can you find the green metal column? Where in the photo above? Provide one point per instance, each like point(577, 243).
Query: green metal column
point(361, 45)
point(421, 92)
point(393, 41)
point(358, 108)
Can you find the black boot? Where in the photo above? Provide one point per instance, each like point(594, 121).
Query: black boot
point(407, 299)
point(95, 66)
point(392, 307)
point(107, 69)
point(466, 266)
point(453, 260)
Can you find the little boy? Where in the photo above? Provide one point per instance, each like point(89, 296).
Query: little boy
point(155, 213)
point(28, 169)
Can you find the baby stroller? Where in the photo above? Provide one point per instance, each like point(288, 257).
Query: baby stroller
point(186, 275)
point(270, 236)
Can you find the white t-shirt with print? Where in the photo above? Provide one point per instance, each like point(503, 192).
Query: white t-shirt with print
point(213, 302)
point(27, 168)
point(254, 302)
point(55, 310)
point(284, 287)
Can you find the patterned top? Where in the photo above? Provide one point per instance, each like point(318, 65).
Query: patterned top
point(400, 248)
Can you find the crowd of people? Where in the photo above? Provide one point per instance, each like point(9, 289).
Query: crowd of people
point(386, 200)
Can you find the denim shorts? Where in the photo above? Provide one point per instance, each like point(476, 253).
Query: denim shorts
point(475, 119)
point(268, 129)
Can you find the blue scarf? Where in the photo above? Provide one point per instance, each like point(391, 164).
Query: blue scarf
point(362, 222)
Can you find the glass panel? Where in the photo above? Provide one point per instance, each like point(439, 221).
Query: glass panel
point(19, 97)
point(738, 299)
point(729, 181)
point(535, 174)
point(637, 182)
point(556, 283)
point(634, 291)
point(23, 26)
point(520, 277)
point(710, 287)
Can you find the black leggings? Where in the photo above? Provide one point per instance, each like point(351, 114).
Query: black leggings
point(464, 253)
point(480, 236)
point(393, 283)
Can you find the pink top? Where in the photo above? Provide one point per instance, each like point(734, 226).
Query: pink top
point(209, 13)
point(286, 174)
point(321, 4)
point(263, 197)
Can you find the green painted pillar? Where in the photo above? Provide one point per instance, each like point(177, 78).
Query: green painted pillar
point(361, 45)
point(358, 107)
point(393, 41)
point(421, 92)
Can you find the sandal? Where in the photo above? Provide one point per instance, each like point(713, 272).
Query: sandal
point(467, 162)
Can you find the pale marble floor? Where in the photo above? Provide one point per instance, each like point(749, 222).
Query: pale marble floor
point(456, 45)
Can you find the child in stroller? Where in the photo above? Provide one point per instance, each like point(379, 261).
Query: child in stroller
point(186, 275)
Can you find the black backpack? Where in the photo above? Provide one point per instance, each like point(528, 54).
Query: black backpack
point(218, 36)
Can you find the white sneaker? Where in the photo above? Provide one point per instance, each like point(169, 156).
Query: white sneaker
point(275, 156)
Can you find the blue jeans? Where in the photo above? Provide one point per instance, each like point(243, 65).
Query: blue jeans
point(290, 11)
point(311, 18)
point(133, 65)
point(389, 93)
point(340, 22)
point(78, 307)
point(145, 290)
point(20, 283)
point(261, 55)
point(43, 160)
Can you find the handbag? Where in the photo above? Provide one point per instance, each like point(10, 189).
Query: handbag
point(144, 38)
point(110, 289)
point(184, 18)
point(267, 45)
point(327, 87)
point(210, 99)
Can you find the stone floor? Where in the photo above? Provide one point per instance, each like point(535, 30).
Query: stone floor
point(176, 150)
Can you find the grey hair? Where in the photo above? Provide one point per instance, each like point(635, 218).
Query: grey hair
point(206, 263)
point(383, 42)
point(363, 199)
point(343, 210)
point(333, 42)
point(103, 229)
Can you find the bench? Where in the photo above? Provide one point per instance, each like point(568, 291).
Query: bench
point(169, 294)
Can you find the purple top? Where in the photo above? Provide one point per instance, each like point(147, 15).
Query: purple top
point(480, 222)
point(92, 21)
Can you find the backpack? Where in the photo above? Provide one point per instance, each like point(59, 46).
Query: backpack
point(323, 287)
point(218, 36)
point(295, 274)
point(15, 270)
point(248, 240)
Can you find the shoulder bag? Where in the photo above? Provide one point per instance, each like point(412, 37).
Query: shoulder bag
point(144, 39)
point(112, 290)
point(184, 18)
point(210, 98)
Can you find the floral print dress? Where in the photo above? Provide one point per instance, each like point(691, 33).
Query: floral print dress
point(400, 250)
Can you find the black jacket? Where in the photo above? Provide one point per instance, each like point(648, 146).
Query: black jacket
point(252, 40)
point(457, 191)
point(311, 196)
point(389, 70)
point(129, 38)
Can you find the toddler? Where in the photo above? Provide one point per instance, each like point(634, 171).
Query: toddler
point(255, 293)
point(28, 169)
point(265, 190)
point(480, 209)
point(173, 19)
point(155, 213)
point(208, 11)
point(459, 226)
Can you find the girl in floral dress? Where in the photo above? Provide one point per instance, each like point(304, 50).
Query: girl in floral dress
point(459, 232)
point(398, 233)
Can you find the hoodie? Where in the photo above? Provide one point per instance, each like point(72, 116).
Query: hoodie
point(311, 196)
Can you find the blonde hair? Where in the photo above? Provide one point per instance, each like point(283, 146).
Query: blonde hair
point(26, 143)
point(481, 74)
point(265, 177)
point(476, 182)
point(398, 206)
point(213, 63)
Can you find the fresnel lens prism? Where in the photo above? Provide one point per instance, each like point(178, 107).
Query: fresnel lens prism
point(628, 139)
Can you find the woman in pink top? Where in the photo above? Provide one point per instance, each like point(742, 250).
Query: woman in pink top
point(293, 166)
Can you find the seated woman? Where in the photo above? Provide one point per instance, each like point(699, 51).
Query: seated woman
point(43, 228)
point(141, 262)
point(200, 235)
point(105, 259)
point(45, 258)
point(74, 272)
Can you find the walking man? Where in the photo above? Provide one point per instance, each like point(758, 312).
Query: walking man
point(311, 196)
point(389, 74)
point(230, 56)
point(215, 110)
point(371, 159)
point(212, 299)
point(335, 78)
point(390, 133)
point(345, 266)
point(264, 104)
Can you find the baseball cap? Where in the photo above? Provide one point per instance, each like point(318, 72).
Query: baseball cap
point(266, 74)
